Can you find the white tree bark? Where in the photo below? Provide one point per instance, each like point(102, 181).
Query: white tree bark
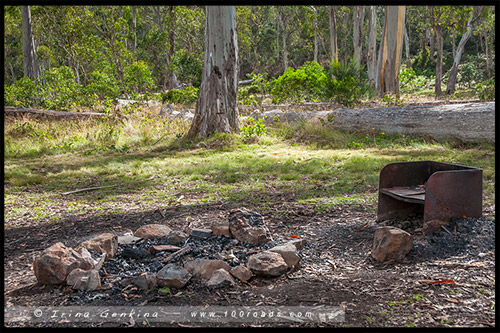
point(30, 64)
point(333, 34)
point(216, 109)
point(450, 88)
point(391, 50)
point(358, 17)
point(371, 54)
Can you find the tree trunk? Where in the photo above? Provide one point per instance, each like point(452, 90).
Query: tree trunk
point(285, 50)
point(358, 16)
point(450, 87)
point(488, 55)
point(391, 50)
point(134, 31)
point(315, 34)
point(30, 63)
point(333, 34)
point(439, 60)
point(407, 47)
point(171, 39)
point(278, 38)
point(371, 54)
point(216, 109)
point(453, 43)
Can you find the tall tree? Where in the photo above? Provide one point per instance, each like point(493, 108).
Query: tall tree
point(333, 34)
point(371, 51)
point(216, 108)
point(315, 23)
point(357, 40)
point(436, 14)
point(30, 63)
point(475, 14)
point(391, 50)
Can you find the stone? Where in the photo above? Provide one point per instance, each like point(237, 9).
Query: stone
point(54, 264)
point(145, 281)
point(289, 253)
point(242, 273)
point(173, 276)
point(205, 267)
point(177, 237)
point(84, 280)
point(220, 278)
point(267, 263)
point(222, 230)
point(298, 243)
point(201, 233)
point(151, 231)
point(391, 244)
point(248, 227)
point(433, 226)
point(159, 248)
point(104, 243)
point(128, 238)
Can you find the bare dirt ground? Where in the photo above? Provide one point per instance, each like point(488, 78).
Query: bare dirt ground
point(336, 267)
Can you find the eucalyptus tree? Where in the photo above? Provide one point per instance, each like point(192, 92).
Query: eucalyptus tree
point(474, 16)
point(30, 61)
point(390, 51)
point(216, 108)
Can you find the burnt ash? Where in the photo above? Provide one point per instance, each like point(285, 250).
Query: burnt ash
point(469, 237)
point(133, 260)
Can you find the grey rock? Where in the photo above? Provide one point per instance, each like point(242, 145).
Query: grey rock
point(173, 276)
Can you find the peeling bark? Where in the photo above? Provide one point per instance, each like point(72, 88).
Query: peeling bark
point(216, 109)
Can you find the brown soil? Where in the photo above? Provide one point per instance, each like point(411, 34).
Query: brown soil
point(336, 269)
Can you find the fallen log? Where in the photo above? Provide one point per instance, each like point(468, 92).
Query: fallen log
point(468, 122)
point(49, 114)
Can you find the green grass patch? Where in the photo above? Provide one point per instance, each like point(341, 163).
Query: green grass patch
point(311, 163)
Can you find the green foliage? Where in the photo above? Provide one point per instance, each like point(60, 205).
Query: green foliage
point(253, 127)
point(22, 93)
point(188, 67)
point(138, 77)
point(422, 60)
point(308, 82)
point(486, 90)
point(348, 84)
point(186, 95)
point(102, 84)
point(469, 73)
point(409, 81)
point(56, 89)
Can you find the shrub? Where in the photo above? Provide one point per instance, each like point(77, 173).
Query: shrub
point(188, 67)
point(409, 81)
point(186, 95)
point(308, 82)
point(138, 78)
point(486, 90)
point(347, 84)
point(102, 83)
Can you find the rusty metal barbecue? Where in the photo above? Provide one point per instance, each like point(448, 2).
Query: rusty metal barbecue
point(436, 190)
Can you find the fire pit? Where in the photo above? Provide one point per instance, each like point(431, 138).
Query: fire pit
point(438, 191)
point(155, 255)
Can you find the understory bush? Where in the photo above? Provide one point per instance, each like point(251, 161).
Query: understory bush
point(186, 95)
point(340, 82)
point(486, 90)
point(306, 83)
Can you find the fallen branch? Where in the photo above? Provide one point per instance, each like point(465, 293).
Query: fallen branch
point(20, 111)
point(89, 189)
point(177, 254)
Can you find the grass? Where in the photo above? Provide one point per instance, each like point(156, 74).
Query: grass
point(152, 163)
